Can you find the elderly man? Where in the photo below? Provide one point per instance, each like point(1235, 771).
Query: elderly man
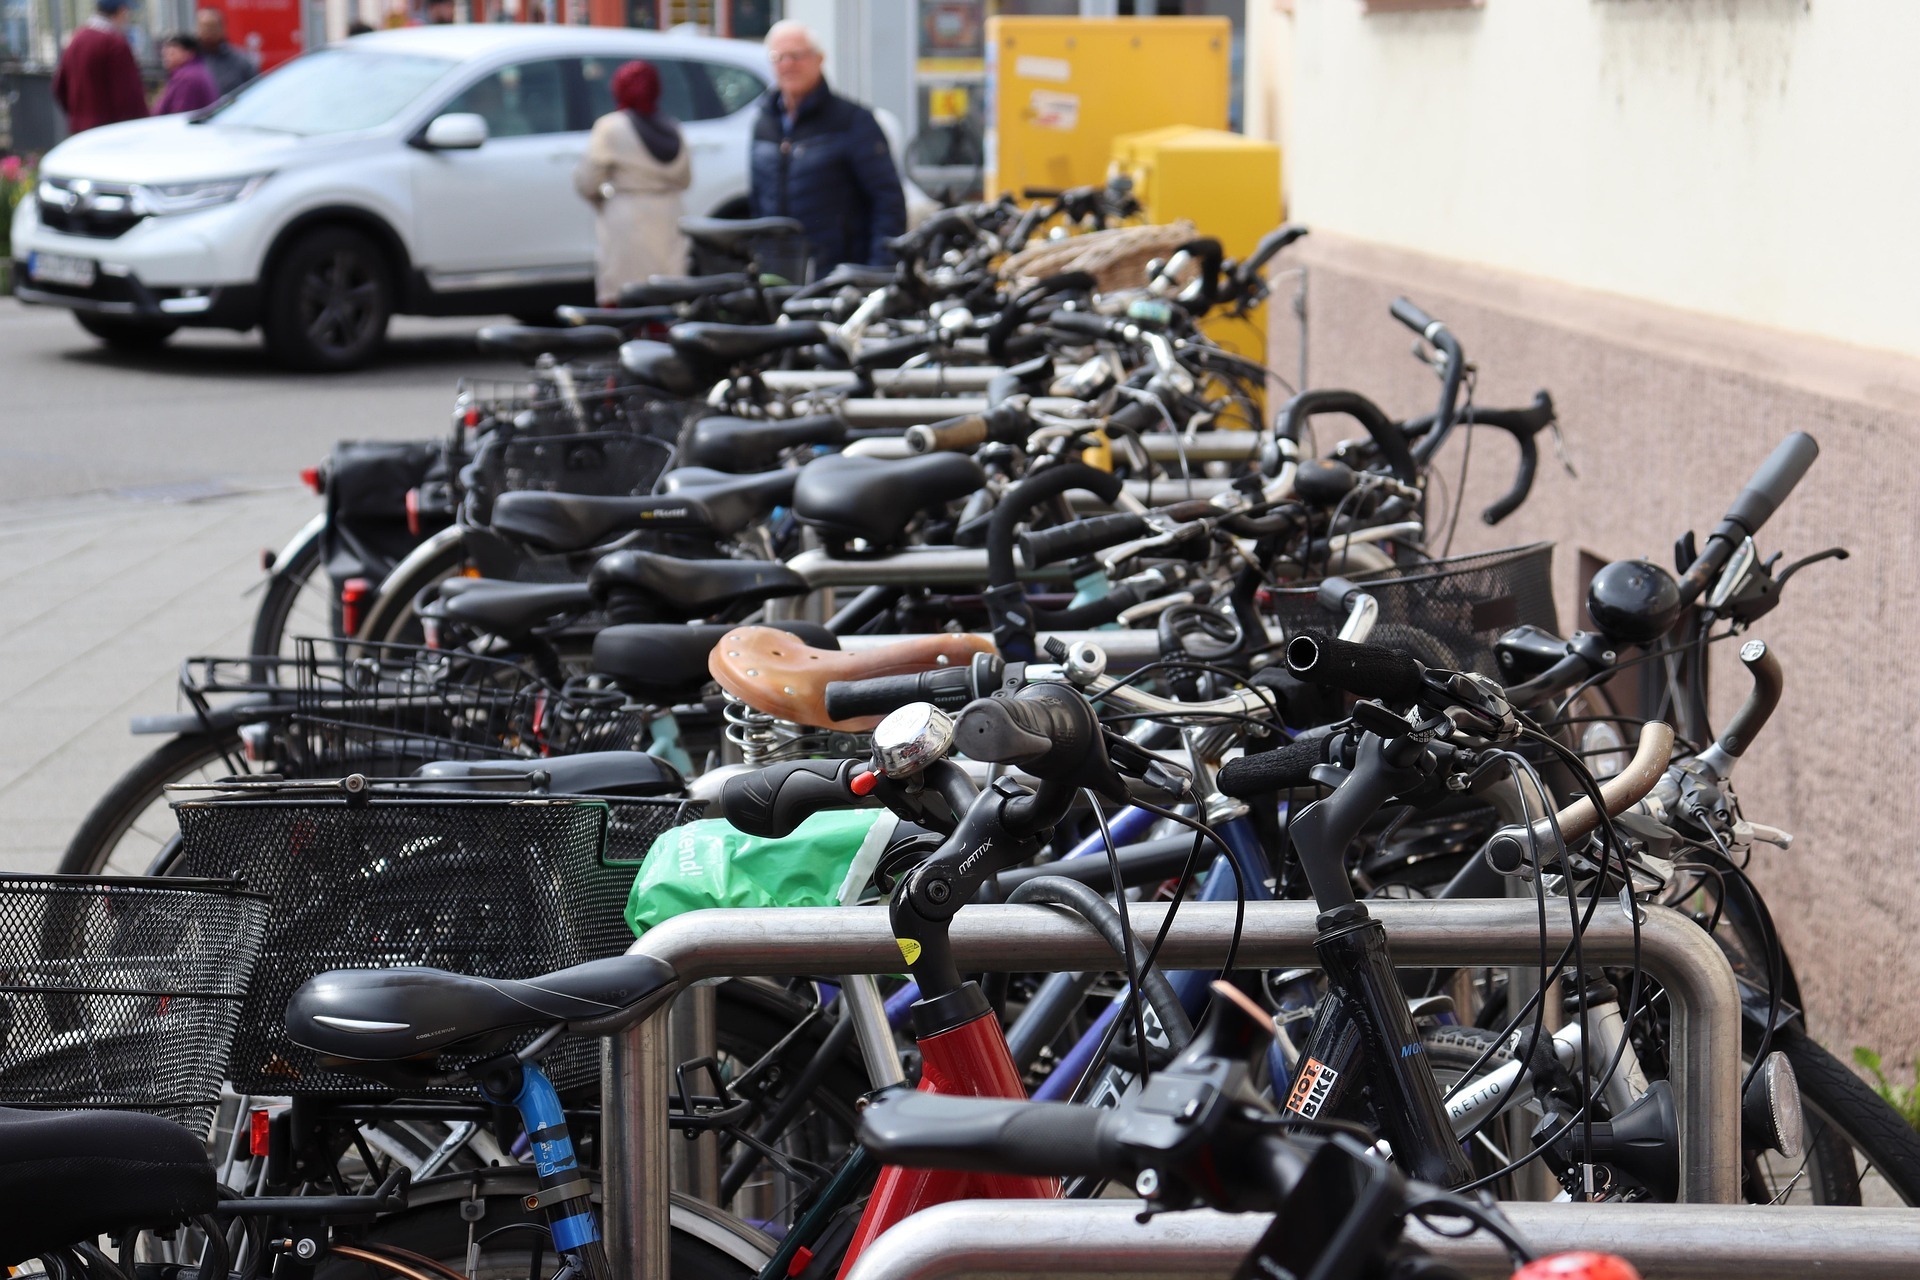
point(823, 160)
point(229, 67)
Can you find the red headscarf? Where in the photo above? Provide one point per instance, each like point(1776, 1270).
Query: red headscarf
point(636, 87)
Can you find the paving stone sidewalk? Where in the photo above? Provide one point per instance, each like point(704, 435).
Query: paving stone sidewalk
point(105, 594)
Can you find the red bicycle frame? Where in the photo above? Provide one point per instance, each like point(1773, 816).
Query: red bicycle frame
point(970, 1060)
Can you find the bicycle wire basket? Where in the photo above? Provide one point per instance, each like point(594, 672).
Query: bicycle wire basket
point(123, 992)
point(1447, 613)
point(386, 709)
point(492, 885)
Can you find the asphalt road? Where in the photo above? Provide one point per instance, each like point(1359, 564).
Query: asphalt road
point(76, 418)
point(136, 494)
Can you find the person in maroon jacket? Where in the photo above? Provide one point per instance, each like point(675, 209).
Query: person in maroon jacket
point(97, 81)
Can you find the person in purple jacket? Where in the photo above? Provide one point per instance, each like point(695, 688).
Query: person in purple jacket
point(189, 84)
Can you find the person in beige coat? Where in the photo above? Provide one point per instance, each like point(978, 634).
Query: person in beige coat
point(635, 168)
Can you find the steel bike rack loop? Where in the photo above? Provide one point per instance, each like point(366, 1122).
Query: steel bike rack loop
point(777, 942)
point(1004, 1239)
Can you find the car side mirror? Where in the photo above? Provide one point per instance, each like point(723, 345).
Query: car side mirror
point(455, 131)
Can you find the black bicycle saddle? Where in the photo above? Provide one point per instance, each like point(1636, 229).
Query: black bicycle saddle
point(751, 444)
point(667, 661)
point(734, 236)
point(528, 343)
point(390, 1015)
point(875, 499)
point(666, 588)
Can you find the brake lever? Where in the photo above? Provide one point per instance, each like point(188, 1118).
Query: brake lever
point(1831, 553)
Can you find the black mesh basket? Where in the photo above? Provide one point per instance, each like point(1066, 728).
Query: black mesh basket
point(122, 992)
point(496, 886)
point(1447, 613)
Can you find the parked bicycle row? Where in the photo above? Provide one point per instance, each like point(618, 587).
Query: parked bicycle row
point(880, 603)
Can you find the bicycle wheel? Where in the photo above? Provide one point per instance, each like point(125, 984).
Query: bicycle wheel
point(390, 617)
point(513, 1243)
point(298, 601)
point(130, 830)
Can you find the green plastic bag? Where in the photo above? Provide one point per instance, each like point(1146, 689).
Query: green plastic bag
point(826, 861)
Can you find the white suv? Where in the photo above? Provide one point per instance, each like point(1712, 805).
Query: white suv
point(426, 171)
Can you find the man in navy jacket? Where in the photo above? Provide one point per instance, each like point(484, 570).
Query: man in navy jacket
point(823, 160)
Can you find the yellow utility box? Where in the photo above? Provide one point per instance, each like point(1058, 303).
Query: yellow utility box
point(1061, 90)
point(1226, 184)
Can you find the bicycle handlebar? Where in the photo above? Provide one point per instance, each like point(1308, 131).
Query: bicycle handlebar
point(1764, 493)
point(1080, 537)
point(1436, 333)
point(1045, 1139)
point(1364, 670)
point(1387, 438)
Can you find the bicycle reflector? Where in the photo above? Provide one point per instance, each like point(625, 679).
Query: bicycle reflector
point(353, 599)
point(1578, 1266)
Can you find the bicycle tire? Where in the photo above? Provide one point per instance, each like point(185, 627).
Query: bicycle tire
point(390, 617)
point(132, 799)
point(292, 575)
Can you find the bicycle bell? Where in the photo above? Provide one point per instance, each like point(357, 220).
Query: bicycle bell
point(911, 738)
point(1634, 600)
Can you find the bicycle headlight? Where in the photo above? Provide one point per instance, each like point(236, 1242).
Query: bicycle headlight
point(163, 198)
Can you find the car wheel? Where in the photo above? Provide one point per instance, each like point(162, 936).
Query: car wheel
point(126, 335)
point(328, 301)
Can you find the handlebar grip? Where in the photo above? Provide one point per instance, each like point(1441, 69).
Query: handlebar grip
point(949, 688)
point(1772, 483)
point(1364, 670)
point(1081, 324)
point(1271, 243)
point(893, 353)
point(993, 1135)
point(1079, 538)
point(1523, 475)
point(1411, 316)
point(1137, 416)
point(955, 435)
point(772, 801)
point(1281, 769)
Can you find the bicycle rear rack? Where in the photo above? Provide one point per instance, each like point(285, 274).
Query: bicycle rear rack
point(776, 942)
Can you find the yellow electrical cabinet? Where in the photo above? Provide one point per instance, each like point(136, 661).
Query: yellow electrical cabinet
point(1061, 90)
point(1226, 184)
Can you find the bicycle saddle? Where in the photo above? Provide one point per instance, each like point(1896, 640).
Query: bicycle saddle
point(667, 661)
point(735, 236)
point(573, 522)
point(777, 672)
point(68, 1176)
point(669, 588)
point(387, 1015)
point(618, 317)
point(661, 291)
point(597, 773)
point(747, 444)
point(509, 609)
point(528, 343)
point(876, 498)
point(703, 343)
point(656, 365)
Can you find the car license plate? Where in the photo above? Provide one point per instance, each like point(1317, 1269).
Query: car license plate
point(60, 268)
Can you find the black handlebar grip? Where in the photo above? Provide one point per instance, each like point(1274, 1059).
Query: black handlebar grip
point(1081, 324)
point(1271, 243)
point(1364, 670)
point(894, 353)
point(1137, 416)
point(1281, 769)
point(1411, 316)
point(1510, 501)
point(771, 802)
point(1772, 483)
point(1079, 538)
point(949, 688)
point(993, 1135)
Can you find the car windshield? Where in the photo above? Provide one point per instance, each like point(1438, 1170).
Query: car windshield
point(334, 91)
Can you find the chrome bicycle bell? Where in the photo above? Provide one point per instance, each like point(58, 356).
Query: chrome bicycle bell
point(911, 738)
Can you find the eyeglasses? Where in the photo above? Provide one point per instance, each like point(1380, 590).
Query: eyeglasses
point(806, 55)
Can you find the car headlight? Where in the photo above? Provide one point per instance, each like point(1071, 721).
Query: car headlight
point(162, 198)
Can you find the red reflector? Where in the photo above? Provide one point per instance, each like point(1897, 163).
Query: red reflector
point(310, 477)
point(413, 512)
point(1578, 1266)
point(257, 1121)
point(471, 417)
point(353, 594)
point(864, 782)
point(800, 1261)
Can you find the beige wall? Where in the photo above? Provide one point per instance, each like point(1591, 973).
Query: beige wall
point(1665, 416)
point(1752, 159)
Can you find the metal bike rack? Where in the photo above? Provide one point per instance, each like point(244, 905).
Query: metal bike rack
point(793, 941)
point(1004, 1239)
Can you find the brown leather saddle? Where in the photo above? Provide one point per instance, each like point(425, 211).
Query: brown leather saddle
point(776, 672)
